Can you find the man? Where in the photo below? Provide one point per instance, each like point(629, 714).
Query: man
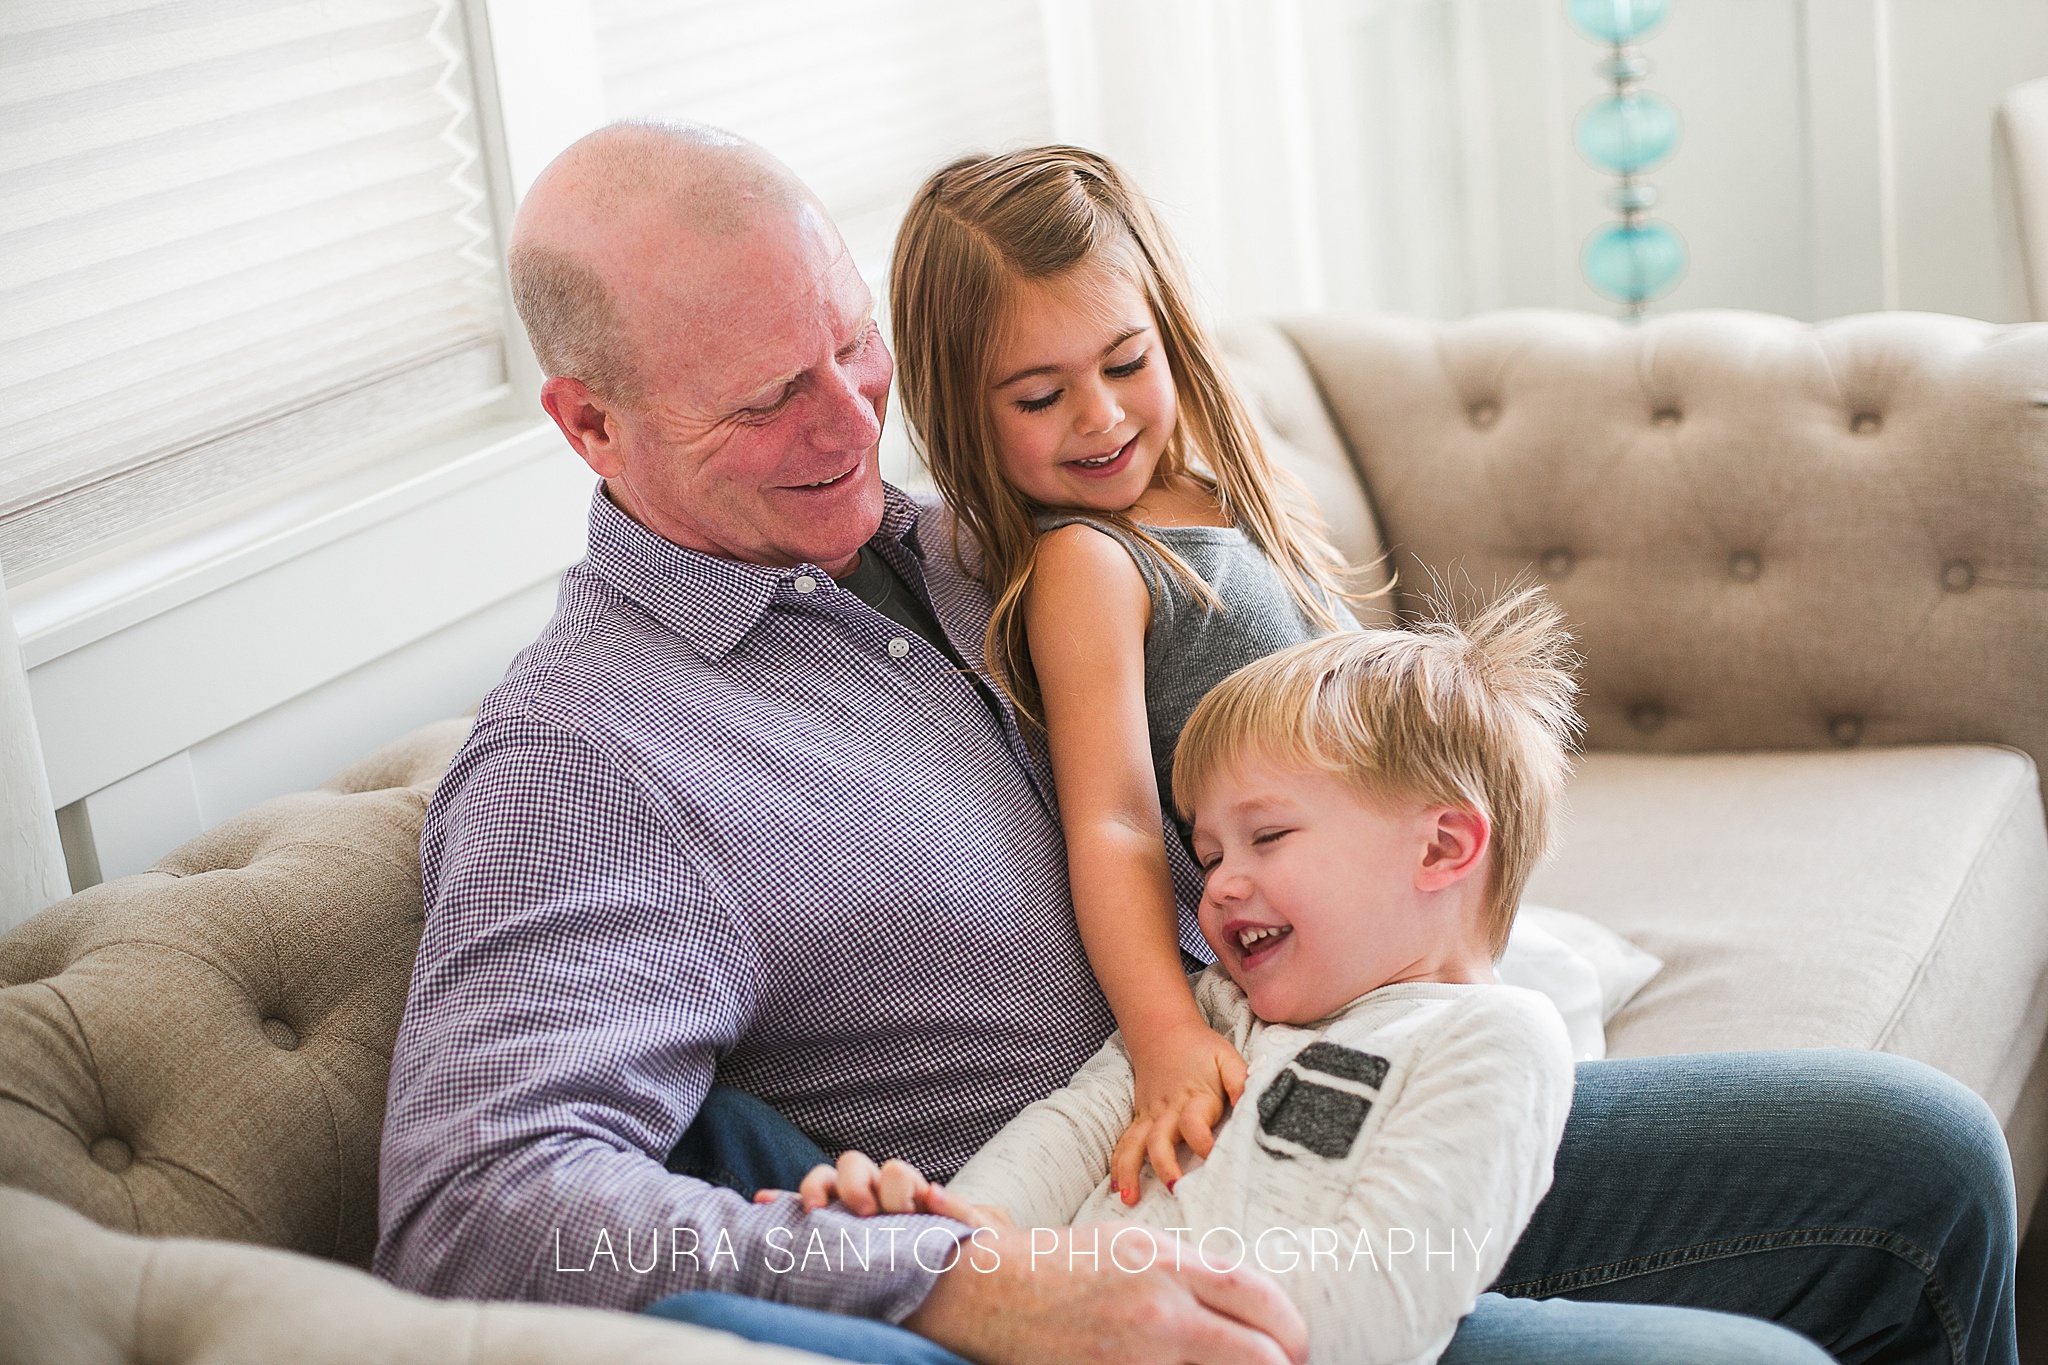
point(748, 809)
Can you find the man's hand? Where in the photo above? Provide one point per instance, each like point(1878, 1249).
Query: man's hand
point(1107, 1293)
point(1185, 1081)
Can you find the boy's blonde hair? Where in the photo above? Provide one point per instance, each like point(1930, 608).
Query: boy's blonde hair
point(1476, 714)
point(974, 231)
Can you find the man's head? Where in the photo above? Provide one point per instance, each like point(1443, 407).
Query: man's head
point(1368, 806)
point(710, 348)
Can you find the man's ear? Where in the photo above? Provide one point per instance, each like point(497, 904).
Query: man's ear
point(1457, 840)
point(587, 421)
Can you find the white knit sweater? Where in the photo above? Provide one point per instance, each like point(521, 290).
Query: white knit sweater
point(1382, 1162)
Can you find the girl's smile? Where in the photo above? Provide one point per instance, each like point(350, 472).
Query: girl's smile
point(1105, 466)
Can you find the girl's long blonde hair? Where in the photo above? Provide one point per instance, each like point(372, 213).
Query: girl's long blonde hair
point(974, 231)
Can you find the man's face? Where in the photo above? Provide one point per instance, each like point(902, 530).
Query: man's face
point(764, 386)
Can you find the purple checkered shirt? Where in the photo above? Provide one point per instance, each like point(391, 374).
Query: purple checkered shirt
point(726, 820)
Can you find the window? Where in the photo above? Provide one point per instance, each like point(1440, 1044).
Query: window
point(235, 236)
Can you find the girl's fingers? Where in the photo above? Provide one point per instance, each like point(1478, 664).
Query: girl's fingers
point(1195, 1120)
point(1233, 1070)
point(857, 1179)
point(819, 1187)
point(1159, 1145)
point(1129, 1159)
point(902, 1187)
point(768, 1196)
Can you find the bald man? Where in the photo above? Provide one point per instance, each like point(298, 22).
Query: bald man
point(748, 812)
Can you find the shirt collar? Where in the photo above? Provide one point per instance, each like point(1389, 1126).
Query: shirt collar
point(711, 602)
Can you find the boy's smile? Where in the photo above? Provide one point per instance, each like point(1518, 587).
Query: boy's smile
point(1318, 894)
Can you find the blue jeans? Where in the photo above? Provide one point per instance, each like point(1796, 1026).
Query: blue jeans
point(1725, 1207)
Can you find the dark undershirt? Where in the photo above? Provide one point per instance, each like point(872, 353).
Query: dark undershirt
point(878, 584)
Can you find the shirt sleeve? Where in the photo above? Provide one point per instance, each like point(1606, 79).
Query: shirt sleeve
point(1045, 1163)
point(577, 979)
point(1435, 1199)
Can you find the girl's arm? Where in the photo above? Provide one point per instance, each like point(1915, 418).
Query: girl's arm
point(1085, 620)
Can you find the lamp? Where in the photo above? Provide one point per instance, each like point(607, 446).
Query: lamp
point(1625, 134)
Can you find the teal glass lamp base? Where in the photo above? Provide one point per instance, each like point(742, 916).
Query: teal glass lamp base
point(1633, 263)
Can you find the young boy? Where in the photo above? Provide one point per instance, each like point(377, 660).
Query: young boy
point(1368, 807)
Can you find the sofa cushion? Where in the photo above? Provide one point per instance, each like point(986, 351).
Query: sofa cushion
point(1894, 899)
point(203, 1049)
point(75, 1294)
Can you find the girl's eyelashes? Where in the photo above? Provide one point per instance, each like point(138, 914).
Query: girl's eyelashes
point(1267, 836)
point(1039, 404)
point(1123, 371)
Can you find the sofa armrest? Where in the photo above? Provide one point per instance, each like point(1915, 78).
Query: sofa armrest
point(201, 1050)
point(1768, 535)
point(73, 1292)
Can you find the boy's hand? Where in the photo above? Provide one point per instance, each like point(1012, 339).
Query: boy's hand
point(893, 1187)
point(1186, 1080)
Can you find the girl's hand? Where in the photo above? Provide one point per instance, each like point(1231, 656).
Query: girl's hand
point(1186, 1080)
point(893, 1187)
point(865, 1188)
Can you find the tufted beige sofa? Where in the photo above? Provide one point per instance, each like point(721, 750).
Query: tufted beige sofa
point(1808, 569)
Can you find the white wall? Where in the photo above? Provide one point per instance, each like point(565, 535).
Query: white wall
point(1415, 155)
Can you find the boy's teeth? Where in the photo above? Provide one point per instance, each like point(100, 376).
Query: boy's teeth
point(1248, 938)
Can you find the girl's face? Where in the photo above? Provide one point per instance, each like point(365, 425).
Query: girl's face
point(1080, 391)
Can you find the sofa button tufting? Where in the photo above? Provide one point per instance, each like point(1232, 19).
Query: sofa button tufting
point(113, 1154)
point(1846, 730)
point(1957, 575)
point(1647, 717)
point(1744, 566)
point(1484, 414)
point(280, 1033)
point(1865, 423)
point(1667, 417)
point(1557, 563)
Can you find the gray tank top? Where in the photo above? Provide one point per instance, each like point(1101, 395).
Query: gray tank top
point(1189, 647)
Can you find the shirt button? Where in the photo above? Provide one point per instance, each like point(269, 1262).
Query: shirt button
point(898, 647)
point(805, 583)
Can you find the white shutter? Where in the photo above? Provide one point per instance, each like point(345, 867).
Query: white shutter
point(234, 235)
point(862, 98)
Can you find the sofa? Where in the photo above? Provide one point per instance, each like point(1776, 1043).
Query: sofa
point(1807, 570)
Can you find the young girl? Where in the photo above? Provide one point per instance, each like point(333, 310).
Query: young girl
point(1138, 542)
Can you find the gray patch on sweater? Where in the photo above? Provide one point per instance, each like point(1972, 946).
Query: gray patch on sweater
point(1324, 1121)
point(1347, 1062)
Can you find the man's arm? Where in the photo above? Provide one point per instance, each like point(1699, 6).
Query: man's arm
point(577, 979)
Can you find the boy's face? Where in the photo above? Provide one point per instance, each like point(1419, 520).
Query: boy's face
point(1317, 894)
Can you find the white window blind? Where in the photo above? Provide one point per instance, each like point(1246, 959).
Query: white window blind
point(862, 98)
point(235, 235)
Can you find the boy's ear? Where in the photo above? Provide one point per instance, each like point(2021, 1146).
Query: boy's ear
point(1457, 842)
